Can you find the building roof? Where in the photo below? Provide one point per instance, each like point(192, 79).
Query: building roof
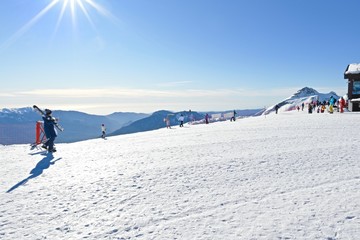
point(352, 71)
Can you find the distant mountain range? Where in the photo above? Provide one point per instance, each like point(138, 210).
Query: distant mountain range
point(156, 121)
point(17, 126)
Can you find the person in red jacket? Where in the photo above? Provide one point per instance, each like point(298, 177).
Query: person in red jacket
point(341, 104)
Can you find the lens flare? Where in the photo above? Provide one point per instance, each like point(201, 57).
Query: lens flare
point(73, 6)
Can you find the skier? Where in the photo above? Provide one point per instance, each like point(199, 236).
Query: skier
point(103, 130)
point(50, 131)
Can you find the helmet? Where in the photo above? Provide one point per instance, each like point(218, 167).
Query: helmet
point(48, 111)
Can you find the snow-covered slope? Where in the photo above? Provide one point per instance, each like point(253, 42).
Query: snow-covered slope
point(287, 176)
point(305, 95)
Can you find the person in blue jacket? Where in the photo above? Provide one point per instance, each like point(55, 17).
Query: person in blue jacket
point(50, 130)
point(332, 101)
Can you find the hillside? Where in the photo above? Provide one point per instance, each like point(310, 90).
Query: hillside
point(156, 121)
point(287, 176)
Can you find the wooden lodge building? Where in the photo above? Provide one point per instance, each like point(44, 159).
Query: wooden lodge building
point(352, 74)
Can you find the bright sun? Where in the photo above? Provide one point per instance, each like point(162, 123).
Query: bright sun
point(74, 6)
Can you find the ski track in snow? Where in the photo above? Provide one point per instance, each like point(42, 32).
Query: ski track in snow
point(286, 176)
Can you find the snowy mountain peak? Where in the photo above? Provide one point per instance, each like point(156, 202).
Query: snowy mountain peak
point(306, 91)
point(16, 110)
point(303, 96)
point(333, 94)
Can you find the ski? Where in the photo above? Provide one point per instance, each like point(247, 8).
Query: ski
point(41, 112)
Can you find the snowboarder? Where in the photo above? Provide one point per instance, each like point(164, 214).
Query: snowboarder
point(103, 130)
point(50, 131)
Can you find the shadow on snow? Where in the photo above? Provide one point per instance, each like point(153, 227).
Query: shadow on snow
point(37, 170)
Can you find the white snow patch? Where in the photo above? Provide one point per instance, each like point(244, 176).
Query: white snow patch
point(287, 176)
point(354, 68)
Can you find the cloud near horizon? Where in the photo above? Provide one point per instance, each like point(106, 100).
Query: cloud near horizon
point(173, 84)
point(108, 100)
point(136, 93)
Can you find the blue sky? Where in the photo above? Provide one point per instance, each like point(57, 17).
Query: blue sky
point(104, 56)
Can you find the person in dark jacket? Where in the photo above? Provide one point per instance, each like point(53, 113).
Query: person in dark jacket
point(310, 108)
point(50, 130)
point(233, 118)
point(276, 108)
point(207, 118)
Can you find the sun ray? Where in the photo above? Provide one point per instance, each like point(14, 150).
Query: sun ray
point(102, 10)
point(73, 13)
point(73, 7)
point(61, 15)
point(82, 7)
point(28, 25)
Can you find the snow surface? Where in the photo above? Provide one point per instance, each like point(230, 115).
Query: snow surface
point(287, 176)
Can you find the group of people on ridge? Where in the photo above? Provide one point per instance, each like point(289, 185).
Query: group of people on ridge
point(320, 107)
point(181, 119)
point(331, 103)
